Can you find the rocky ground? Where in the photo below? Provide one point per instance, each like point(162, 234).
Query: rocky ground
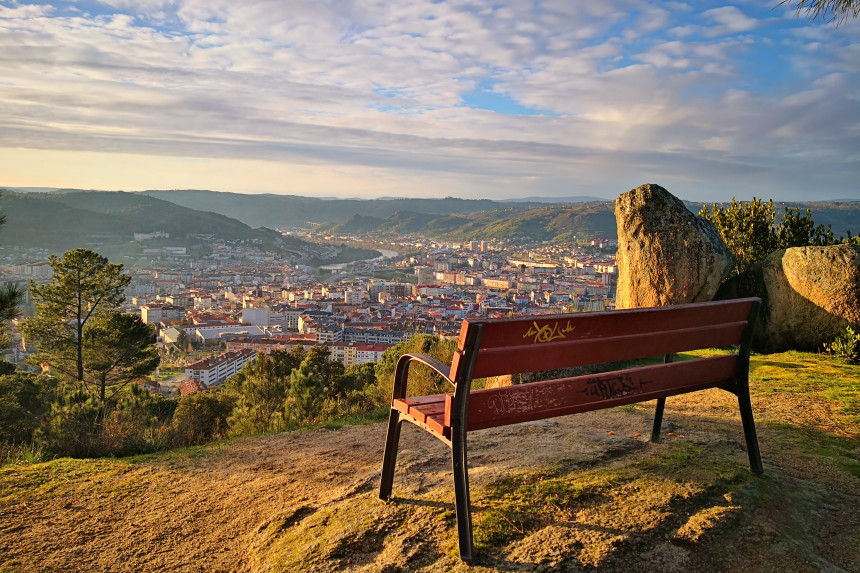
point(570, 494)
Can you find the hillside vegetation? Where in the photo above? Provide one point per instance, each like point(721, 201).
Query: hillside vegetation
point(450, 218)
point(63, 221)
point(571, 493)
point(280, 211)
point(549, 223)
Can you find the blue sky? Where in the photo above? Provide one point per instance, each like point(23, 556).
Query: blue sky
point(465, 98)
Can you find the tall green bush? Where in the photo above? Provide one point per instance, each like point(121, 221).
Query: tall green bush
point(77, 425)
point(25, 399)
point(422, 380)
point(307, 392)
point(750, 231)
point(846, 346)
point(201, 417)
point(261, 389)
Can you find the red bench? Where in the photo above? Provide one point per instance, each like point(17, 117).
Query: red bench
point(493, 347)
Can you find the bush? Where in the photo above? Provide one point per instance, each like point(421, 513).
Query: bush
point(201, 417)
point(751, 233)
point(422, 380)
point(261, 389)
point(71, 427)
point(79, 425)
point(25, 398)
point(307, 393)
point(846, 346)
point(20, 454)
point(140, 424)
point(353, 403)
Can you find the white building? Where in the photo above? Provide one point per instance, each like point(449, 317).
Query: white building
point(153, 313)
point(215, 370)
point(370, 353)
point(256, 316)
point(353, 296)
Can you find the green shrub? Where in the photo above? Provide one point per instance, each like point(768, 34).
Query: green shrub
point(25, 398)
point(751, 233)
point(21, 454)
point(846, 346)
point(71, 427)
point(422, 381)
point(353, 403)
point(201, 417)
point(79, 425)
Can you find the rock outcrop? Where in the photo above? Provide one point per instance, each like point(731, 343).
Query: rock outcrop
point(666, 254)
point(810, 295)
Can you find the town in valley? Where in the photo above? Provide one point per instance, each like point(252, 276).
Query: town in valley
point(214, 313)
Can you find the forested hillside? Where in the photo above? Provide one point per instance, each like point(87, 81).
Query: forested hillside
point(282, 211)
point(63, 221)
point(56, 220)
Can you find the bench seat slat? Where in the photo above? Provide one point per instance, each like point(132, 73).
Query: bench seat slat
point(539, 400)
point(564, 354)
point(426, 410)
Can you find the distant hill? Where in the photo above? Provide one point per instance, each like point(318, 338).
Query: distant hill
point(547, 223)
point(284, 211)
point(66, 218)
point(61, 221)
point(572, 199)
point(451, 218)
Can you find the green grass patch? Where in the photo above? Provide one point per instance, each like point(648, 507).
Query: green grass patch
point(806, 374)
point(379, 415)
point(26, 482)
point(518, 504)
point(823, 448)
point(802, 375)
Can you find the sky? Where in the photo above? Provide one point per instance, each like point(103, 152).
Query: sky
point(495, 99)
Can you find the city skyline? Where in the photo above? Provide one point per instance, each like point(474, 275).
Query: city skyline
point(440, 98)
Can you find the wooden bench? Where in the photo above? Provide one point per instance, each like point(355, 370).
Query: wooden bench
point(492, 347)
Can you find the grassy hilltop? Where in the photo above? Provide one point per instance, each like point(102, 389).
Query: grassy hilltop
point(576, 492)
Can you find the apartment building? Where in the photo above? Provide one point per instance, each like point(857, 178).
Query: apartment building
point(215, 370)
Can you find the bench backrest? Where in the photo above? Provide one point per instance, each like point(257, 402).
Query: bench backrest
point(510, 346)
point(533, 344)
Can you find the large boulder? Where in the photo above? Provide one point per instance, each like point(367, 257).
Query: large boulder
point(810, 295)
point(666, 254)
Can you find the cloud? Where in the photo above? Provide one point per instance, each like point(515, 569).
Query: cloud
point(728, 20)
point(612, 89)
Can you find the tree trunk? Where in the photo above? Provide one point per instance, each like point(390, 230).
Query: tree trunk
point(80, 341)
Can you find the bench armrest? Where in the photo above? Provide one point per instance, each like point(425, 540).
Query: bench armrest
point(401, 373)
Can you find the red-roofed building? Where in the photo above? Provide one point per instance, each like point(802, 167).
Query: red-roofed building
point(216, 369)
point(191, 385)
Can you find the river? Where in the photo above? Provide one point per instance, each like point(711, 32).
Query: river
point(386, 254)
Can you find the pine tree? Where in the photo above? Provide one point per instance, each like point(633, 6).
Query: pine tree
point(307, 392)
point(11, 298)
point(828, 10)
point(83, 283)
point(117, 349)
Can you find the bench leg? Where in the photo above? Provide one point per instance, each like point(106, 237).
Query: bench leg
point(661, 405)
point(658, 419)
point(462, 501)
point(749, 431)
point(389, 458)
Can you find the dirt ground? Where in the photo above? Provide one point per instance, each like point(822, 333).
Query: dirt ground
point(307, 501)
